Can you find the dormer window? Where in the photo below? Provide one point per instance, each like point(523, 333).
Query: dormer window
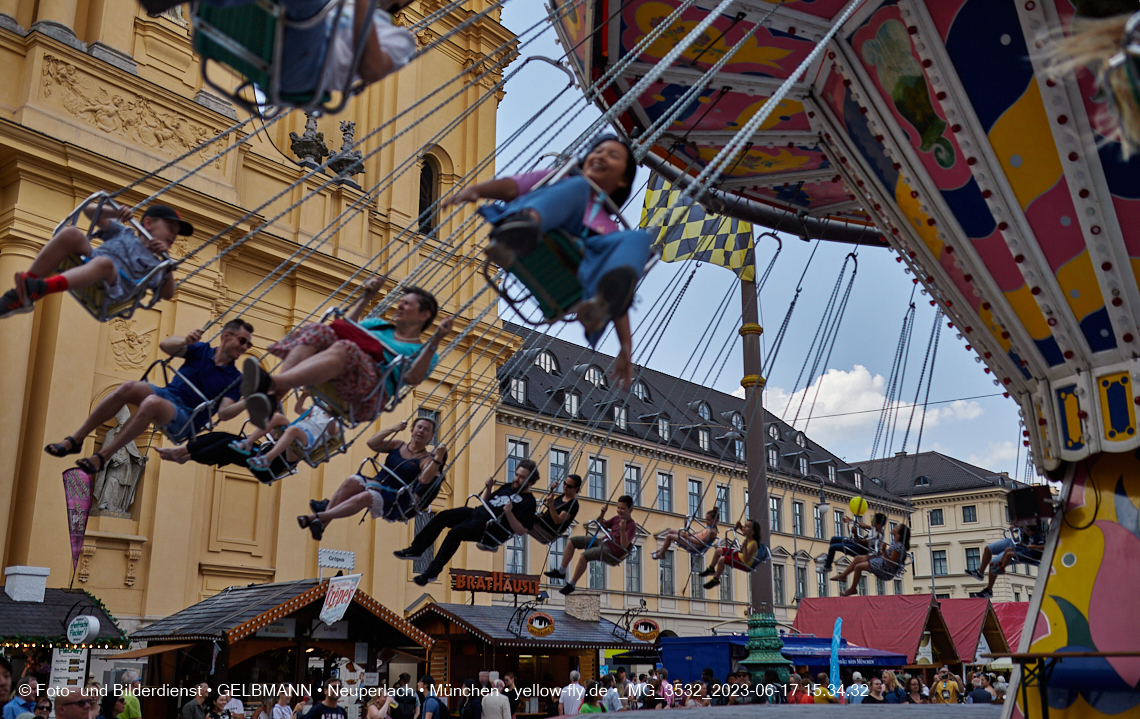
point(663, 428)
point(831, 476)
point(803, 463)
point(858, 480)
point(704, 412)
point(738, 446)
point(518, 389)
point(571, 404)
point(773, 431)
point(621, 415)
point(801, 440)
point(877, 481)
point(922, 481)
point(704, 439)
point(737, 421)
point(596, 377)
point(641, 391)
point(546, 361)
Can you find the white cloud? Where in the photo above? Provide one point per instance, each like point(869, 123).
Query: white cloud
point(845, 407)
point(998, 456)
point(738, 392)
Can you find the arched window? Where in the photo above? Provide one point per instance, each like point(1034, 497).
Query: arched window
point(704, 412)
point(429, 193)
point(922, 481)
point(596, 377)
point(738, 422)
point(641, 391)
point(546, 361)
point(801, 440)
point(773, 431)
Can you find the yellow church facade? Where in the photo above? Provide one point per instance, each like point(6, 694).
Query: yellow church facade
point(99, 94)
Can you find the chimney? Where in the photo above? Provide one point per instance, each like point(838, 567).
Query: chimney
point(900, 454)
point(26, 584)
point(586, 606)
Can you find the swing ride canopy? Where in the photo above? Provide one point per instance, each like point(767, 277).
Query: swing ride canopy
point(935, 121)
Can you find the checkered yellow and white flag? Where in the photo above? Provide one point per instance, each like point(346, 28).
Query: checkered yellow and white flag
point(686, 232)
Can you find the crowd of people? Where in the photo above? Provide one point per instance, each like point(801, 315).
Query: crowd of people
point(491, 696)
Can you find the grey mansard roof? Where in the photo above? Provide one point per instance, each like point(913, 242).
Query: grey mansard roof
point(670, 397)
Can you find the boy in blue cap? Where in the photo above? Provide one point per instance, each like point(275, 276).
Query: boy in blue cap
point(121, 261)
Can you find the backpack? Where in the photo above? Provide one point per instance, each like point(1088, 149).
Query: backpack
point(443, 712)
point(405, 704)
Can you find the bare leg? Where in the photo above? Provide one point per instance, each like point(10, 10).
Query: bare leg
point(1003, 561)
point(579, 569)
point(179, 454)
point(126, 393)
point(320, 367)
point(152, 410)
point(296, 355)
point(290, 435)
point(670, 537)
point(568, 555)
point(353, 505)
point(859, 563)
point(278, 420)
point(854, 580)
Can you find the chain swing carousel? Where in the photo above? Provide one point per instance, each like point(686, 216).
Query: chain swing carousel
point(998, 176)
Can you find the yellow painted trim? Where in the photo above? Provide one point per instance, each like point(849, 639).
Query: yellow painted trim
point(751, 328)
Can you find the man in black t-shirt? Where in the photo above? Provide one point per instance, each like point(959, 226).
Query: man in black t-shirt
point(559, 511)
point(328, 706)
point(513, 501)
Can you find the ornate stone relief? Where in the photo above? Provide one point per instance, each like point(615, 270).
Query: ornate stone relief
point(85, 556)
point(130, 345)
point(135, 118)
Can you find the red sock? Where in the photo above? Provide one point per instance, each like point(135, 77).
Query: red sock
point(31, 275)
point(56, 283)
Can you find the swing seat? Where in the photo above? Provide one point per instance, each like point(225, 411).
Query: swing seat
point(497, 530)
point(550, 276)
point(325, 394)
point(328, 448)
point(544, 532)
point(249, 40)
point(613, 559)
point(96, 300)
point(400, 503)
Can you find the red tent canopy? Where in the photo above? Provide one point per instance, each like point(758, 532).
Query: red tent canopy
point(967, 619)
point(1011, 616)
point(894, 624)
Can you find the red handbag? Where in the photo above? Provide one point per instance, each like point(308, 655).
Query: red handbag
point(371, 346)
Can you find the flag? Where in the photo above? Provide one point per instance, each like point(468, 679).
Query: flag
point(836, 639)
point(77, 491)
point(686, 232)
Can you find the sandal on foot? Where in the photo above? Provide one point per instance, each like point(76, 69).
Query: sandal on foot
point(88, 467)
point(58, 450)
point(318, 505)
point(236, 446)
point(258, 462)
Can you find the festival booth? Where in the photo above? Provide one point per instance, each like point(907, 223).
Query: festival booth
point(976, 630)
point(49, 633)
point(909, 625)
point(1011, 617)
point(259, 635)
point(530, 639)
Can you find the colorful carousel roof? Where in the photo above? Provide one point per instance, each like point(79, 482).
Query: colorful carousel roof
point(935, 121)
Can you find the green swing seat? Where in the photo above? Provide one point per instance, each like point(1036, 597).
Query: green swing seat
point(550, 276)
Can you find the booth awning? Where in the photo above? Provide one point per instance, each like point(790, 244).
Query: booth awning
point(1011, 616)
point(974, 627)
point(148, 651)
point(897, 624)
point(239, 612)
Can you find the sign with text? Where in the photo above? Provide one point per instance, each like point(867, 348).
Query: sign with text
point(284, 628)
point(338, 630)
point(68, 668)
point(336, 559)
point(339, 595)
point(541, 624)
point(473, 580)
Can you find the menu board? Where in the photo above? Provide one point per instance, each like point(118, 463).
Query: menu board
point(68, 668)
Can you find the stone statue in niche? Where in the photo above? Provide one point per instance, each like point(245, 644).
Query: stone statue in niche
point(114, 488)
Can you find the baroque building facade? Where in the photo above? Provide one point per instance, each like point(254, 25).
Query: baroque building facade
point(99, 94)
point(958, 508)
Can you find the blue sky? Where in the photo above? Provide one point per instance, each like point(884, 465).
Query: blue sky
point(983, 430)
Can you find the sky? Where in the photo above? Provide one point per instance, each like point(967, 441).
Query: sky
point(967, 417)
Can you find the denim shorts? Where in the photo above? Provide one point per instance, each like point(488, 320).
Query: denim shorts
point(180, 428)
point(998, 548)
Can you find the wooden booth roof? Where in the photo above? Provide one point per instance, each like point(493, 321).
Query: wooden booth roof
point(46, 622)
point(490, 625)
point(238, 612)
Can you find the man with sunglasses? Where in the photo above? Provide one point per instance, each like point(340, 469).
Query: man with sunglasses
point(72, 703)
point(205, 369)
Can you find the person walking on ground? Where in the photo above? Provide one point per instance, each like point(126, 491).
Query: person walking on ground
point(496, 705)
point(328, 706)
point(196, 707)
point(281, 710)
point(570, 696)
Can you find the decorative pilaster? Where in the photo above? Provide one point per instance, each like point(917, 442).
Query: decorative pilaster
point(764, 645)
